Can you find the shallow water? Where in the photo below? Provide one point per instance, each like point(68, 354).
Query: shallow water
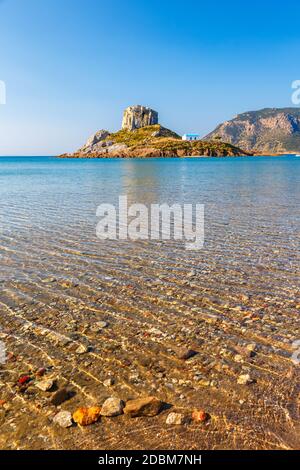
point(48, 208)
point(242, 286)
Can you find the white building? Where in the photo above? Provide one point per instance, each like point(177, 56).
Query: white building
point(191, 137)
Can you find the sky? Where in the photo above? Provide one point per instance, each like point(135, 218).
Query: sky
point(71, 67)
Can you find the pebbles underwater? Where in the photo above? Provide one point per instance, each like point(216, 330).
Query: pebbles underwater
point(130, 332)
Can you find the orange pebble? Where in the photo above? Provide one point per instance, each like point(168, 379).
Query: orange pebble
point(200, 416)
point(86, 416)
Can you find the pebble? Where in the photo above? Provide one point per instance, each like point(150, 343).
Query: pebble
point(59, 397)
point(112, 407)
point(82, 349)
point(108, 382)
point(238, 358)
point(196, 378)
point(176, 418)
point(40, 372)
point(149, 406)
point(244, 379)
point(204, 382)
point(63, 419)
point(246, 351)
point(200, 416)
point(185, 354)
point(45, 385)
point(98, 326)
point(86, 416)
point(252, 347)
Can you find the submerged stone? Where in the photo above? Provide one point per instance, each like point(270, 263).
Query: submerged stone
point(63, 419)
point(176, 418)
point(185, 354)
point(244, 379)
point(149, 406)
point(200, 416)
point(112, 407)
point(45, 385)
point(87, 416)
point(59, 397)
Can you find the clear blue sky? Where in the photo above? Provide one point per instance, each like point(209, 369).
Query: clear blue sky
point(72, 66)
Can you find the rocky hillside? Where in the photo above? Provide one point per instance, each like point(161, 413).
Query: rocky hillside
point(270, 130)
point(142, 136)
point(149, 141)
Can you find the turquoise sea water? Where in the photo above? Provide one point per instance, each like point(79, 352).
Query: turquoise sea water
point(48, 206)
point(49, 189)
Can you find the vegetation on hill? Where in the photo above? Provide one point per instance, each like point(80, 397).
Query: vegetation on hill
point(152, 141)
point(142, 136)
point(200, 147)
point(158, 140)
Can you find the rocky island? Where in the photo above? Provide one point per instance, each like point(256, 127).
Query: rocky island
point(142, 136)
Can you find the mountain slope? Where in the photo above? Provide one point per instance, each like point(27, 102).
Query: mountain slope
point(270, 130)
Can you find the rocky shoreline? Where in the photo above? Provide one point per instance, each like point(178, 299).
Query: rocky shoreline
point(148, 152)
